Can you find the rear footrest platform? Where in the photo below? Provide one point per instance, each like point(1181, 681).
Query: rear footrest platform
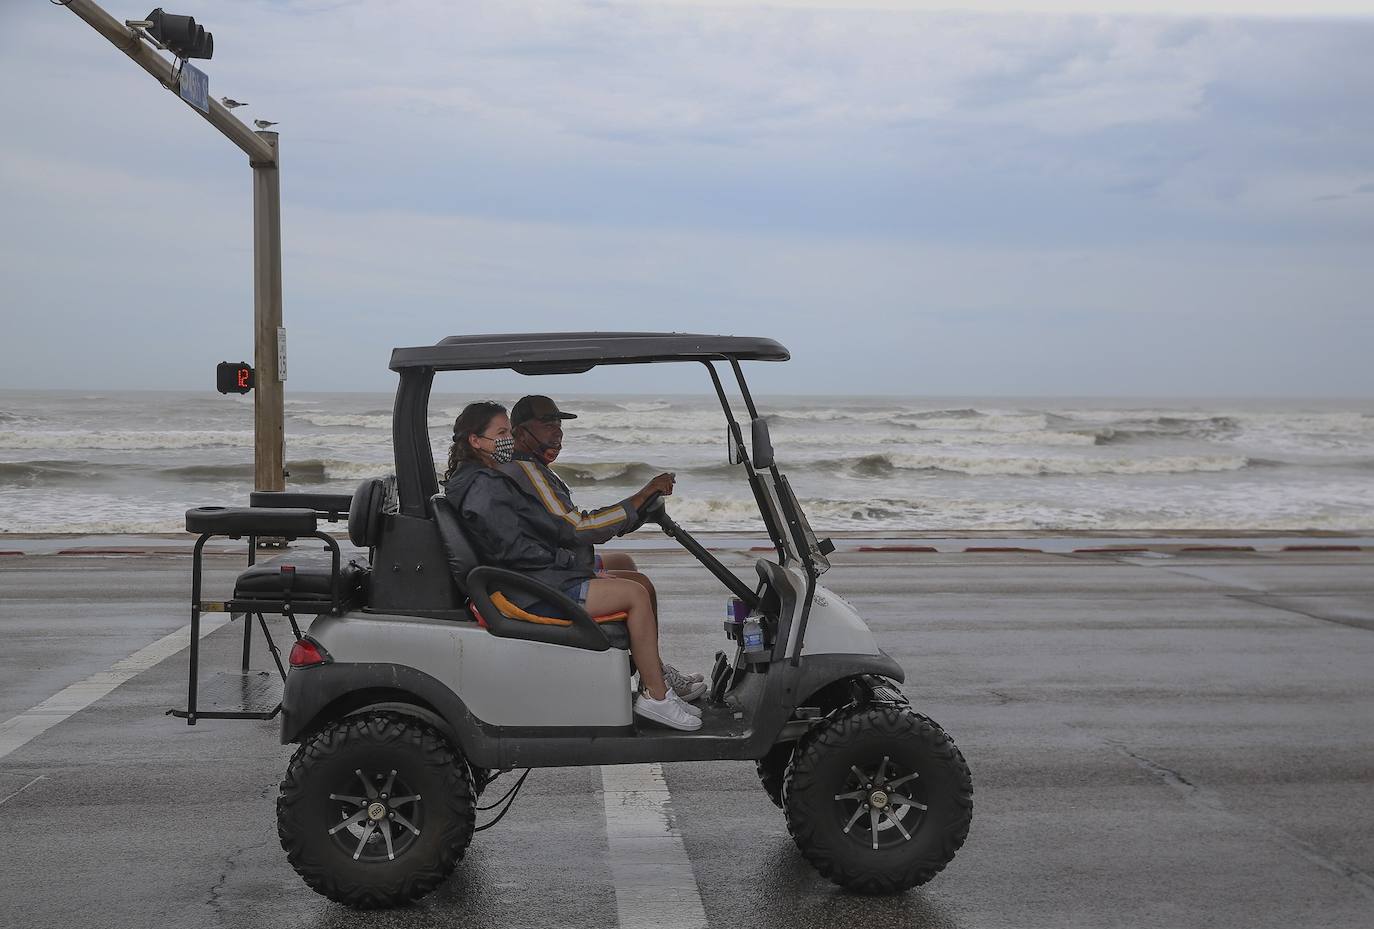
point(236, 695)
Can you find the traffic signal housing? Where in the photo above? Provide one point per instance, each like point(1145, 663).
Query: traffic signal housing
point(234, 377)
point(181, 34)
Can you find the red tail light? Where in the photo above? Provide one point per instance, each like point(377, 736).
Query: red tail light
point(307, 653)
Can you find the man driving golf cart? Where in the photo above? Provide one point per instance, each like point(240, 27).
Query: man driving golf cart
point(512, 530)
point(537, 427)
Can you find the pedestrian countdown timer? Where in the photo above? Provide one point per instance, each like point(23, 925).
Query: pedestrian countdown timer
point(234, 377)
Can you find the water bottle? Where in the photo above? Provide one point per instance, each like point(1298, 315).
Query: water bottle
point(753, 636)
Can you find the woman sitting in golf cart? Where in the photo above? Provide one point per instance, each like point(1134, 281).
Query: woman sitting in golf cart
point(513, 531)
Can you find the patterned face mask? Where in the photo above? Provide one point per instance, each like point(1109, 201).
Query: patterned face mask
point(502, 449)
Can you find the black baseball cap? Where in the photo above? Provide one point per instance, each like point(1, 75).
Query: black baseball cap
point(536, 406)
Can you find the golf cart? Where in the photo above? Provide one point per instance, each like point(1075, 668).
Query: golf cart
point(418, 681)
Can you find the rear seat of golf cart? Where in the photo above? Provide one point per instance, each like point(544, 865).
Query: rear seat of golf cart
point(317, 581)
point(324, 581)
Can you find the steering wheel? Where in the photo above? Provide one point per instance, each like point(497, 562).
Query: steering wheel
point(649, 512)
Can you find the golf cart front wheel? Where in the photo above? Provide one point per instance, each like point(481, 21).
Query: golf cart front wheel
point(878, 799)
point(772, 769)
point(376, 810)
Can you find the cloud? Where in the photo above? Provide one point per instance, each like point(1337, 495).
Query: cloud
point(949, 186)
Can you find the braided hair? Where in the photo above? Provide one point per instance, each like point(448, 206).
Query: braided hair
point(473, 420)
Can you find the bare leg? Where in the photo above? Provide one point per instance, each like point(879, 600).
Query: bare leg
point(617, 561)
point(620, 564)
point(612, 594)
point(642, 581)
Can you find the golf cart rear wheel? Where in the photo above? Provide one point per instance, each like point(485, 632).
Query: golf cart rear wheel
point(375, 810)
point(878, 799)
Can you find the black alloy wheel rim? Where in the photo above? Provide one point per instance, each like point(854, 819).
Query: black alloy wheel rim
point(381, 822)
point(880, 805)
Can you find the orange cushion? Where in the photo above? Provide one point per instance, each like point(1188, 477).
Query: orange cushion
point(511, 611)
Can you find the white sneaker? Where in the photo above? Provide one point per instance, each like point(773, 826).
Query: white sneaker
point(694, 678)
point(694, 710)
point(668, 712)
point(682, 684)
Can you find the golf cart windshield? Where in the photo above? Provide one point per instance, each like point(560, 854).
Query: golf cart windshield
point(818, 549)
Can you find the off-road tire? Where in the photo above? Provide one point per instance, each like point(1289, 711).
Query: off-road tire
point(821, 768)
point(481, 777)
point(772, 769)
point(425, 763)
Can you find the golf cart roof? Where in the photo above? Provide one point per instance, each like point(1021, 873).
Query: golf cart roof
point(575, 352)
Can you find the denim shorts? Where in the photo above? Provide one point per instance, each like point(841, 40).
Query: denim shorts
point(576, 591)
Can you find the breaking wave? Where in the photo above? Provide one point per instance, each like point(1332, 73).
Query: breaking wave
point(966, 420)
point(304, 471)
point(785, 440)
point(883, 464)
point(355, 420)
point(743, 514)
point(627, 472)
point(1207, 427)
point(47, 472)
point(157, 440)
point(118, 441)
point(370, 420)
point(659, 418)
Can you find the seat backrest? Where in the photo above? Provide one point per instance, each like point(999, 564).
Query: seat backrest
point(462, 557)
point(365, 513)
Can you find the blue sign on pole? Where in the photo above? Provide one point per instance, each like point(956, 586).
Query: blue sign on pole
point(194, 86)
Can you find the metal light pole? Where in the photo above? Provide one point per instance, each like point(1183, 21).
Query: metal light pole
point(261, 149)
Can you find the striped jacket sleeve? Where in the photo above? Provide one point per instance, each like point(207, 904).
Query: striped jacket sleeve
point(591, 527)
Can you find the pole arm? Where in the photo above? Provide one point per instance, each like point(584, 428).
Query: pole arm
point(128, 42)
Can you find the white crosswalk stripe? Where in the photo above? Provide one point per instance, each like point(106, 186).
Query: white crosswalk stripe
point(17, 731)
point(654, 884)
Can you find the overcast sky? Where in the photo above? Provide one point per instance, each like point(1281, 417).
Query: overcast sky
point(1074, 200)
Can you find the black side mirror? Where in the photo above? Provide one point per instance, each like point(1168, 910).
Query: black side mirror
point(735, 451)
point(763, 445)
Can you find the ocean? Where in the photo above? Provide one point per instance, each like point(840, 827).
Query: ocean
point(87, 462)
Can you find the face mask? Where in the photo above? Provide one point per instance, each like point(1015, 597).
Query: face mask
point(502, 449)
point(548, 453)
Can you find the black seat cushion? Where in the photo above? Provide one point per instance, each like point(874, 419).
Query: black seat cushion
point(310, 581)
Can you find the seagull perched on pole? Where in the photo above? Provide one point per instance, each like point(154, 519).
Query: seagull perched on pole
point(263, 123)
point(230, 102)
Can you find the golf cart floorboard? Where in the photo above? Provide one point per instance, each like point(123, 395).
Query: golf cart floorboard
point(718, 721)
point(239, 695)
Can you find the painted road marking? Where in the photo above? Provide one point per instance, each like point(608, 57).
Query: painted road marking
point(19, 730)
point(654, 884)
point(10, 796)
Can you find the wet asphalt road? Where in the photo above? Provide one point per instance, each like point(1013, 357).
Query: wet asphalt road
point(1172, 741)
